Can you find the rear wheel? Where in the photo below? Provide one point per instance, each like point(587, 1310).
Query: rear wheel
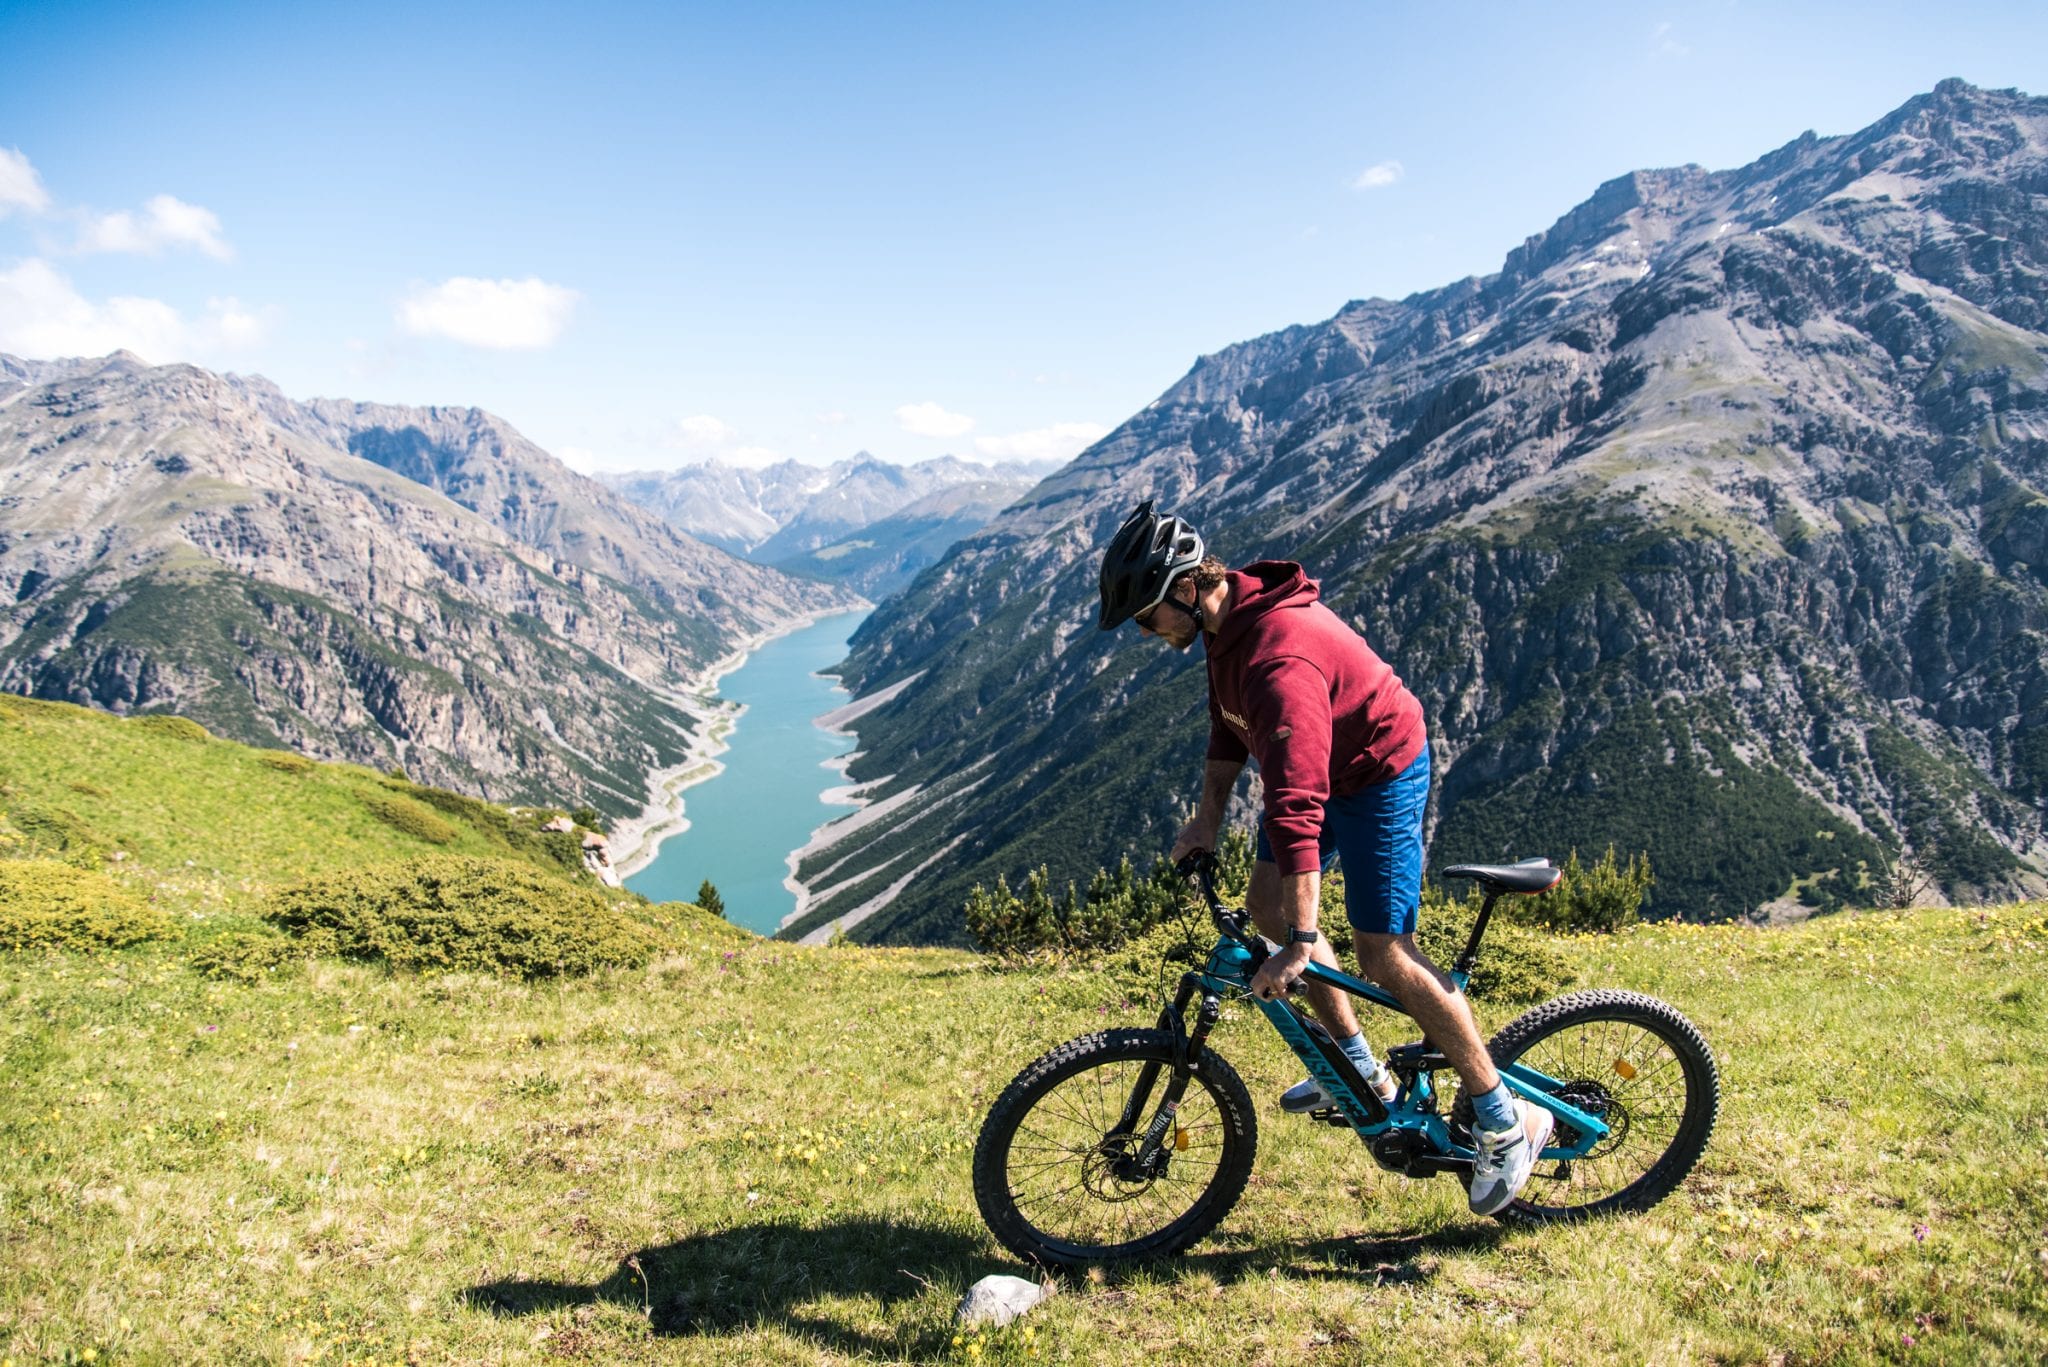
point(1639, 1066)
point(1060, 1171)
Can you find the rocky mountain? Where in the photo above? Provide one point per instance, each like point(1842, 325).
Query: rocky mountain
point(731, 506)
point(419, 587)
point(881, 557)
point(1711, 525)
point(867, 523)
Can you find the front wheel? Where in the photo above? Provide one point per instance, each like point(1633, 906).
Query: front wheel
point(1639, 1066)
point(1062, 1171)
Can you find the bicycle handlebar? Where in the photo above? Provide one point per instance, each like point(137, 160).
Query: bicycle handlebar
point(1200, 867)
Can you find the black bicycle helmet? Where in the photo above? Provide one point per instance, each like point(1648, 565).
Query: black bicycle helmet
point(1150, 552)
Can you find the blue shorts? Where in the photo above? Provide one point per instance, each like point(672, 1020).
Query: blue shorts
point(1377, 833)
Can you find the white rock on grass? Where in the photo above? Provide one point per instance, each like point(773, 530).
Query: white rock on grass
point(998, 1300)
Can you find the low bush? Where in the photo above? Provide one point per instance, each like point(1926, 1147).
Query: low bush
point(14, 705)
point(444, 912)
point(403, 814)
point(32, 830)
point(1117, 908)
point(1515, 964)
point(1601, 897)
point(285, 762)
point(520, 830)
point(244, 955)
point(48, 905)
point(177, 728)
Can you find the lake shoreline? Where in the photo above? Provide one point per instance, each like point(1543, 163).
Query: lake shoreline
point(637, 841)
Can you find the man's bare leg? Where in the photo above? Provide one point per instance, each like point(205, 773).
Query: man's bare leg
point(1262, 899)
point(1427, 994)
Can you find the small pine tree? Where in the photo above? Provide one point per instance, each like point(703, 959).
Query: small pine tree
point(1604, 896)
point(588, 817)
point(708, 898)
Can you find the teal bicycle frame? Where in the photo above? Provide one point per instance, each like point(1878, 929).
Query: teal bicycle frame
point(1411, 1134)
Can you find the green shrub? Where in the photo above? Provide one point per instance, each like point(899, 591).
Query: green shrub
point(1117, 908)
point(564, 849)
point(519, 830)
point(31, 830)
point(47, 905)
point(14, 705)
point(1601, 898)
point(474, 810)
point(1016, 926)
point(177, 728)
point(403, 814)
point(1515, 964)
point(1147, 967)
point(451, 912)
point(244, 955)
point(285, 762)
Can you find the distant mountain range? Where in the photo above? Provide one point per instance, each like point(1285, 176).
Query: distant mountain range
point(1712, 525)
point(867, 523)
point(394, 586)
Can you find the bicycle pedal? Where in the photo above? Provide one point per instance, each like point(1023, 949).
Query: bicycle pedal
point(1330, 1115)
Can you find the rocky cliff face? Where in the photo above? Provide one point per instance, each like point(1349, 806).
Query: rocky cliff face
point(172, 539)
point(1711, 525)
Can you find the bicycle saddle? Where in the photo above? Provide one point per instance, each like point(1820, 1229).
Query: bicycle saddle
point(1531, 875)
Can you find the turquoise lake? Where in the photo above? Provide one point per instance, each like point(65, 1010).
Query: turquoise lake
point(745, 822)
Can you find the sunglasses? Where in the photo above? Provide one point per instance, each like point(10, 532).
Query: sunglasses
point(1146, 618)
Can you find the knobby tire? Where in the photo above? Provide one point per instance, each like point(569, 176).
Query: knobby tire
point(1041, 1157)
point(1676, 1091)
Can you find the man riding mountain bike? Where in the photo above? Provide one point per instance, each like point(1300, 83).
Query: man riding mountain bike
point(1342, 747)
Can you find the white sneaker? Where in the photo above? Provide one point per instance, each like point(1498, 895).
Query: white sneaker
point(1507, 1157)
point(1308, 1094)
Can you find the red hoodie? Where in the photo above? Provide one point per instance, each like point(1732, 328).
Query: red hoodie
point(1302, 693)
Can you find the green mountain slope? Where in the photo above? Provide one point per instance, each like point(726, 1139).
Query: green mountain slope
point(390, 586)
point(213, 825)
point(1713, 524)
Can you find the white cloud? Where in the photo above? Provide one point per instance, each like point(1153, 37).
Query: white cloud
point(1061, 441)
point(165, 221)
point(20, 186)
point(1380, 176)
point(832, 419)
point(42, 315)
point(751, 457)
point(511, 315)
point(579, 459)
point(1665, 45)
point(929, 420)
point(701, 429)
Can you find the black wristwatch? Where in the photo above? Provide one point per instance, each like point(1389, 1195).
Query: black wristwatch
point(1302, 937)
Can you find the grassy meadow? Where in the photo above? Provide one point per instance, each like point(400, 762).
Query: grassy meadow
point(749, 1151)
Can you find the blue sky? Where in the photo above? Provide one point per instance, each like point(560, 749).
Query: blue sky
point(649, 234)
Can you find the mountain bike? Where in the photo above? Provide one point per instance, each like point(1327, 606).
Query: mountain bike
point(1134, 1143)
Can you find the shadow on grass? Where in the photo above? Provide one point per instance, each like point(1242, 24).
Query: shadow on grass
point(1382, 1259)
point(733, 1279)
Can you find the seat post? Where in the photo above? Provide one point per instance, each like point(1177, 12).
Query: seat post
point(1463, 967)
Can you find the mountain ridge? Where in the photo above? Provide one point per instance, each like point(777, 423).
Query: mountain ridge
point(1743, 465)
point(173, 539)
point(868, 523)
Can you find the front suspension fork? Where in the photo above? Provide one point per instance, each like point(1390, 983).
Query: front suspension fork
point(1157, 1139)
